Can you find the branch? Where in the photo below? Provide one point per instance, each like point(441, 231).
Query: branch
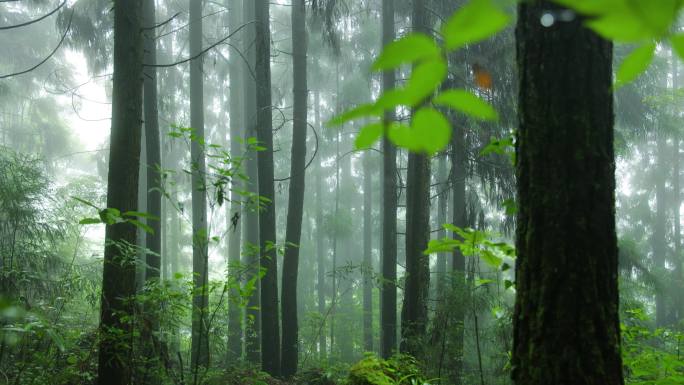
point(202, 52)
point(48, 57)
point(35, 20)
point(162, 23)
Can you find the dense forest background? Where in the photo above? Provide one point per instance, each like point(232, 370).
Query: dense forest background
point(255, 192)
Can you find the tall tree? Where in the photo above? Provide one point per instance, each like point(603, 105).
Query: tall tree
point(153, 240)
point(566, 327)
point(321, 251)
point(200, 236)
point(270, 333)
point(658, 241)
point(367, 254)
point(118, 274)
point(290, 352)
point(235, 213)
point(414, 309)
point(251, 222)
point(388, 298)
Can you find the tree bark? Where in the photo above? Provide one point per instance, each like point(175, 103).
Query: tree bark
point(234, 214)
point(270, 333)
point(251, 223)
point(320, 240)
point(417, 287)
point(295, 208)
point(200, 237)
point(566, 326)
point(367, 254)
point(153, 164)
point(388, 299)
point(118, 275)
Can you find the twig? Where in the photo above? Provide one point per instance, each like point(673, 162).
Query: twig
point(34, 20)
point(48, 57)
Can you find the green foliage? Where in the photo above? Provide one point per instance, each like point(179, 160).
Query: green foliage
point(650, 356)
point(399, 369)
point(635, 64)
point(429, 131)
point(473, 243)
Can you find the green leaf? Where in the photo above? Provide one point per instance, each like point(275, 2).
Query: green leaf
point(490, 258)
point(475, 21)
point(468, 103)
point(677, 42)
point(142, 226)
point(621, 26)
point(634, 64)
point(425, 78)
point(409, 49)
point(432, 129)
point(110, 216)
point(89, 221)
point(362, 111)
point(85, 202)
point(481, 282)
point(368, 135)
point(508, 284)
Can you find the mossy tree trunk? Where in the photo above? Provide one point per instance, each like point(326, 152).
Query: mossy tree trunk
point(566, 326)
point(118, 275)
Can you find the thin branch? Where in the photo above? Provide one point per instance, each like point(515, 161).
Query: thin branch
point(202, 52)
point(35, 20)
point(46, 58)
point(162, 23)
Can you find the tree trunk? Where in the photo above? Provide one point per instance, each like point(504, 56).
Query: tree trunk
point(235, 213)
point(566, 327)
point(320, 240)
point(459, 296)
point(251, 223)
point(417, 287)
point(679, 302)
point(270, 333)
point(153, 164)
point(118, 275)
point(658, 239)
point(200, 236)
point(443, 191)
point(295, 208)
point(367, 254)
point(388, 298)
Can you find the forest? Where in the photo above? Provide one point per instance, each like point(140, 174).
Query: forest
point(341, 192)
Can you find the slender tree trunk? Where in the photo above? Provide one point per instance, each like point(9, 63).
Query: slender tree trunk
point(270, 333)
point(118, 275)
point(443, 191)
point(235, 212)
point(321, 251)
point(459, 296)
point(367, 254)
point(414, 310)
point(251, 223)
point(658, 239)
point(153, 164)
point(290, 353)
point(566, 326)
point(200, 236)
point(388, 298)
point(679, 276)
